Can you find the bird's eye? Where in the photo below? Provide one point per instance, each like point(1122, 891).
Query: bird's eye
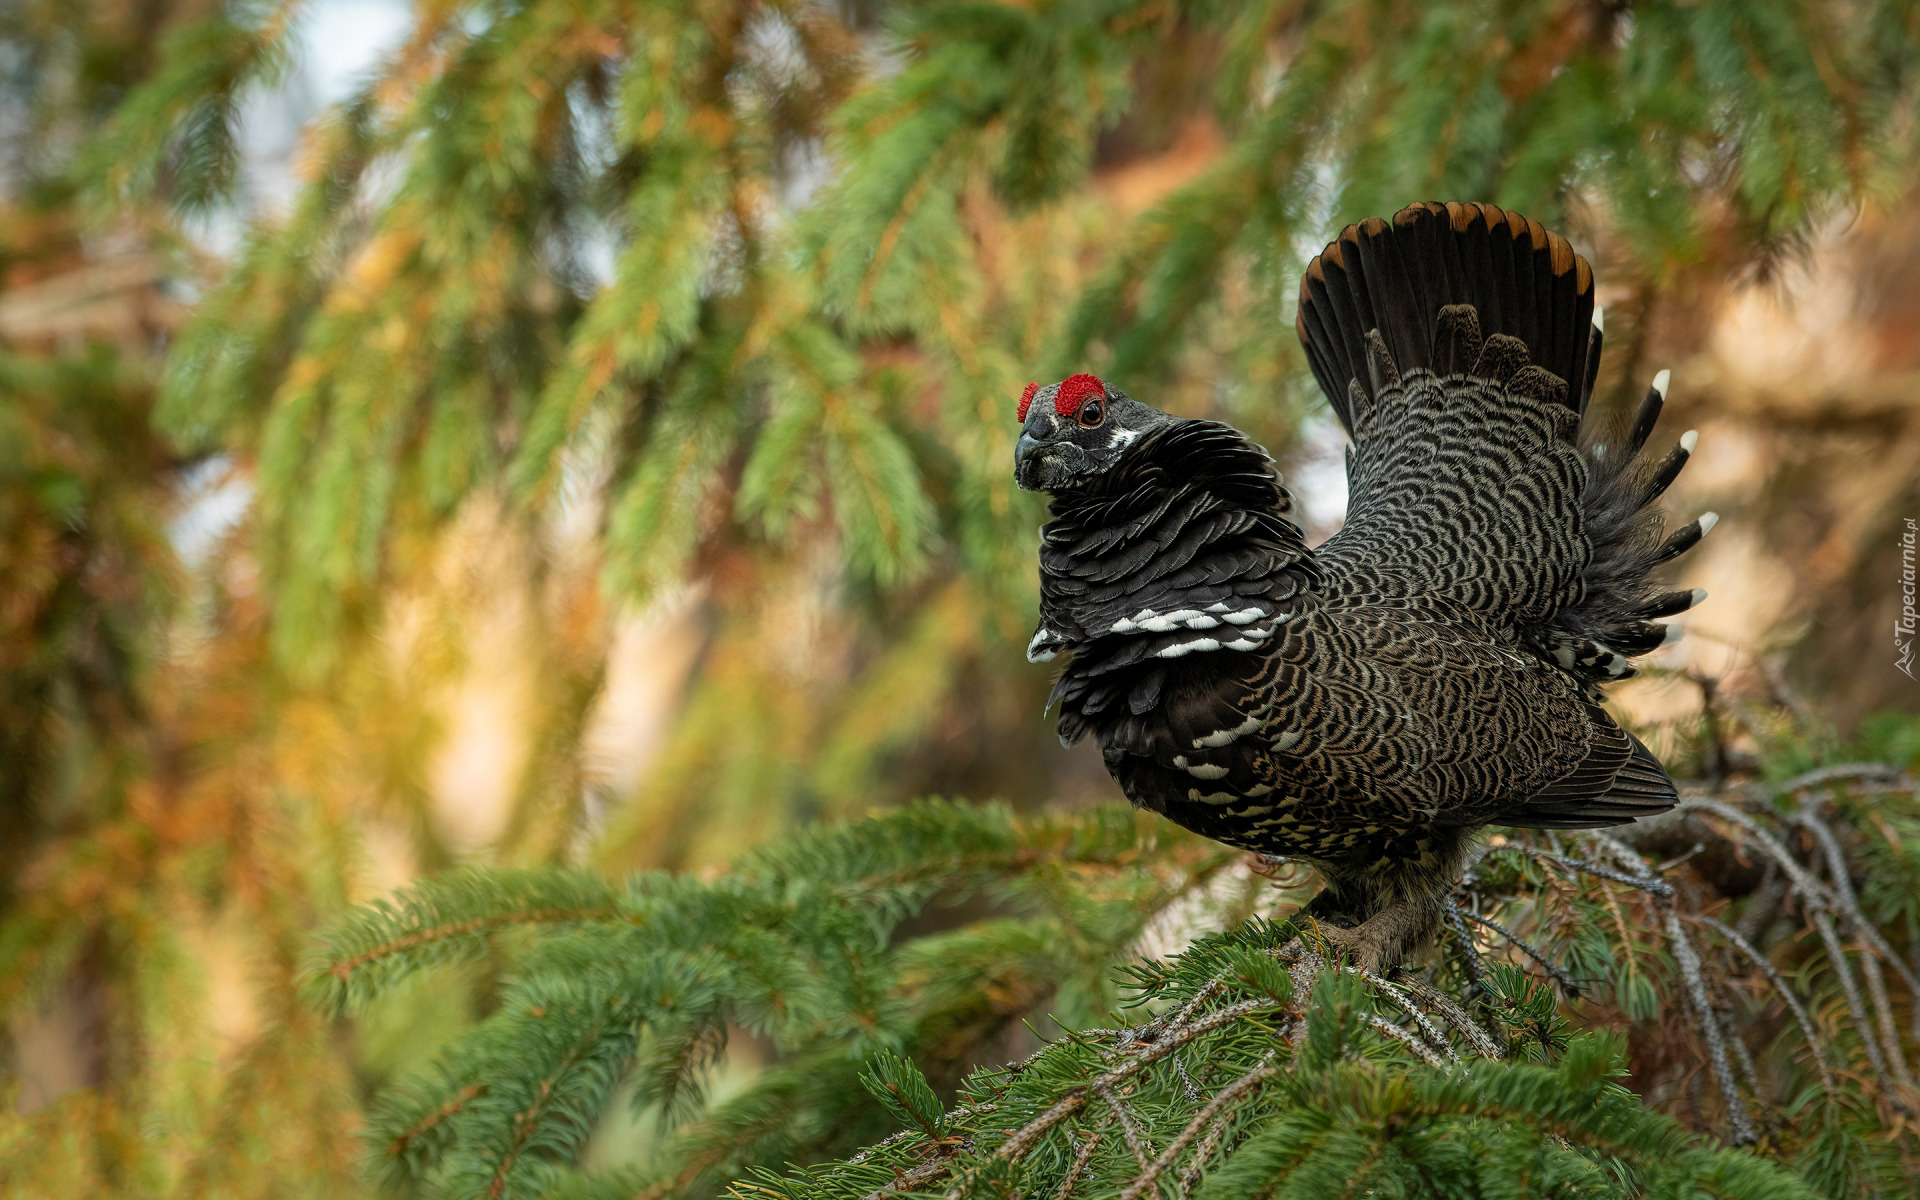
point(1092, 413)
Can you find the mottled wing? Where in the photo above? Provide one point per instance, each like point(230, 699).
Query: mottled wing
point(1367, 721)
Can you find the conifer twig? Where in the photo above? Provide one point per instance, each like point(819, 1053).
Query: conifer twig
point(1843, 972)
point(1476, 969)
point(1157, 1027)
point(1227, 1095)
point(912, 1178)
point(1875, 946)
point(1820, 901)
point(1427, 1053)
point(1203, 1154)
point(1742, 1057)
point(1187, 1081)
point(1129, 1125)
point(1739, 1122)
point(1840, 772)
point(397, 1146)
point(1842, 887)
point(1651, 884)
point(345, 967)
point(1406, 1002)
point(1772, 974)
point(1809, 888)
point(1688, 962)
point(1023, 1139)
point(1553, 969)
point(1082, 1157)
point(1764, 903)
point(1483, 1042)
point(958, 1114)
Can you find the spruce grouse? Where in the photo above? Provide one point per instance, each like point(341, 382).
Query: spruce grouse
point(1435, 667)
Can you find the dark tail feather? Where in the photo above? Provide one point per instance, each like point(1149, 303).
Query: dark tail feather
point(1618, 616)
point(1409, 278)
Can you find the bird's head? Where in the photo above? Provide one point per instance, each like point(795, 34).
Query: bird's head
point(1076, 430)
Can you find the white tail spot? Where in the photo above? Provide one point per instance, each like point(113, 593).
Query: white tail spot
point(1689, 440)
point(1661, 381)
point(1707, 521)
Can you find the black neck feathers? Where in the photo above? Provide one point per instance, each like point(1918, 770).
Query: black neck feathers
point(1180, 558)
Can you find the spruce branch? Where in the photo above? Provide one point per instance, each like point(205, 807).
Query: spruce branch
point(1129, 1124)
point(1081, 1157)
point(445, 921)
point(1874, 951)
point(1709, 1025)
point(1202, 1121)
point(1553, 969)
point(1426, 1053)
point(1780, 987)
point(1401, 997)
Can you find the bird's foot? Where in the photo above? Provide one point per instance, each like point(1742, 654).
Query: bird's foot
point(1383, 941)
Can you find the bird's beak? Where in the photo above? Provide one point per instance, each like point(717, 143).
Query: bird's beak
point(1027, 454)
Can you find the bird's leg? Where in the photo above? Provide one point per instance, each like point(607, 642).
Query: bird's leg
point(1387, 938)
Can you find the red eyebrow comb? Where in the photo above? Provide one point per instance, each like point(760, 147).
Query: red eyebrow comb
point(1076, 390)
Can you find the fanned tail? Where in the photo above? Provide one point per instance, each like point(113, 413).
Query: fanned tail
point(1457, 289)
point(1618, 616)
point(1477, 290)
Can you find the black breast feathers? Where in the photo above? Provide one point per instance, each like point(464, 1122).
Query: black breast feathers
point(1169, 578)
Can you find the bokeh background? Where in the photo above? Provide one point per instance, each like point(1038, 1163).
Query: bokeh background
point(578, 431)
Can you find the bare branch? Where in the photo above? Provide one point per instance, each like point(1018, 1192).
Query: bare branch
point(1772, 973)
point(1689, 963)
